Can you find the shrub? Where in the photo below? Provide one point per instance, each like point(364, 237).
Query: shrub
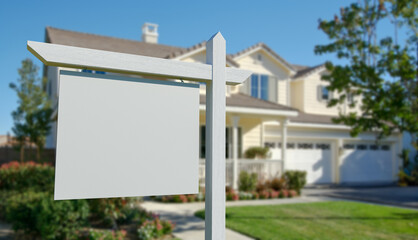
point(247, 182)
point(22, 176)
point(256, 152)
point(274, 194)
point(39, 215)
point(278, 184)
point(296, 180)
point(94, 234)
point(156, 228)
point(292, 193)
point(264, 194)
point(232, 196)
point(108, 211)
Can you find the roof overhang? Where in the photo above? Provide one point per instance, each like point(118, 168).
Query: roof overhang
point(270, 113)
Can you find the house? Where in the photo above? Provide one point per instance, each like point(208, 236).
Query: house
point(282, 106)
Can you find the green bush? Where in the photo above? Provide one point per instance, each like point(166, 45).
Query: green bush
point(278, 184)
point(296, 180)
point(154, 229)
point(38, 215)
point(103, 235)
point(247, 182)
point(258, 152)
point(111, 211)
point(22, 176)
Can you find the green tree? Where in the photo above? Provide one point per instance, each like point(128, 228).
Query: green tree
point(33, 115)
point(379, 72)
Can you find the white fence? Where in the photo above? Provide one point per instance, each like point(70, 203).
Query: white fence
point(265, 169)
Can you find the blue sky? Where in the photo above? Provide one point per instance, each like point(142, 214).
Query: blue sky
point(289, 27)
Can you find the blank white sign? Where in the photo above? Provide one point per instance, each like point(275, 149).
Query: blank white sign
point(121, 137)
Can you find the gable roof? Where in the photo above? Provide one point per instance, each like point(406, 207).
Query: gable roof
point(263, 46)
point(202, 45)
point(303, 72)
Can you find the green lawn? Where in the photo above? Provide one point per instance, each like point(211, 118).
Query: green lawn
point(323, 220)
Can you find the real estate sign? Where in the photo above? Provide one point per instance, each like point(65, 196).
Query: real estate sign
point(121, 136)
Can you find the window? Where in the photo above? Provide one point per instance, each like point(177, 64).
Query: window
point(324, 93)
point(361, 147)
point(350, 98)
point(322, 146)
point(290, 146)
point(269, 144)
point(349, 146)
point(92, 71)
point(385, 147)
point(259, 86)
point(305, 145)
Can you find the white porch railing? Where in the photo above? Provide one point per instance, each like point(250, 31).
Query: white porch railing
point(265, 169)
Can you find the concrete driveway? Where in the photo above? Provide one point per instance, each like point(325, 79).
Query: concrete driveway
point(391, 195)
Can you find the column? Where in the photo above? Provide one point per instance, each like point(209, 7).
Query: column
point(235, 170)
point(283, 126)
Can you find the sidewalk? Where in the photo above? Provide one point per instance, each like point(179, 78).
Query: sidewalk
point(189, 227)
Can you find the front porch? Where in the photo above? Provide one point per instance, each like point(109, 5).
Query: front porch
point(264, 168)
point(245, 118)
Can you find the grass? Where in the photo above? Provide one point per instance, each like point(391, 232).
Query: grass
point(323, 220)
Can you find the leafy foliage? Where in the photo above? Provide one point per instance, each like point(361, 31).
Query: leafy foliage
point(23, 176)
point(254, 152)
point(33, 115)
point(380, 76)
point(296, 180)
point(247, 182)
point(37, 214)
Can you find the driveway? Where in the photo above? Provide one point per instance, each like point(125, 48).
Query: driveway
point(391, 195)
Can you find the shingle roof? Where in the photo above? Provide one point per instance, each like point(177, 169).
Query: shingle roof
point(306, 71)
point(312, 118)
point(243, 100)
point(181, 52)
point(87, 40)
point(268, 49)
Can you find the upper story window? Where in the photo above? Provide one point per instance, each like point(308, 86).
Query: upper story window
point(259, 86)
point(323, 93)
point(92, 71)
point(350, 98)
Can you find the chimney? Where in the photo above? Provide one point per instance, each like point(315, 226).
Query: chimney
point(150, 33)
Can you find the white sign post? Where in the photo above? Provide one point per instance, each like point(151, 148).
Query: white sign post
point(214, 74)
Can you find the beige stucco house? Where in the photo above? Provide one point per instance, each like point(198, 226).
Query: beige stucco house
point(282, 106)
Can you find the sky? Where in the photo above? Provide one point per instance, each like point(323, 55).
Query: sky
point(289, 27)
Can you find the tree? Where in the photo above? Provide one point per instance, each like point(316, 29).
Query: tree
point(380, 72)
point(33, 115)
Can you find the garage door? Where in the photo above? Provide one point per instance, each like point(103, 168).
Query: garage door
point(366, 162)
point(314, 157)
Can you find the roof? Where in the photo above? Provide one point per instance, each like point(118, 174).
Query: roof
point(93, 41)
point(312, 118)
point(243, 100)
point(267, 49)
point(202, 45)
point(303, 72)
point(87, 40)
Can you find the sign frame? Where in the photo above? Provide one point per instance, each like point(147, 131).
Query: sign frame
point(215, 74)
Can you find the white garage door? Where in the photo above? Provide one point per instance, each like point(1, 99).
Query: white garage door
point(366, 162)
point(314, 157)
